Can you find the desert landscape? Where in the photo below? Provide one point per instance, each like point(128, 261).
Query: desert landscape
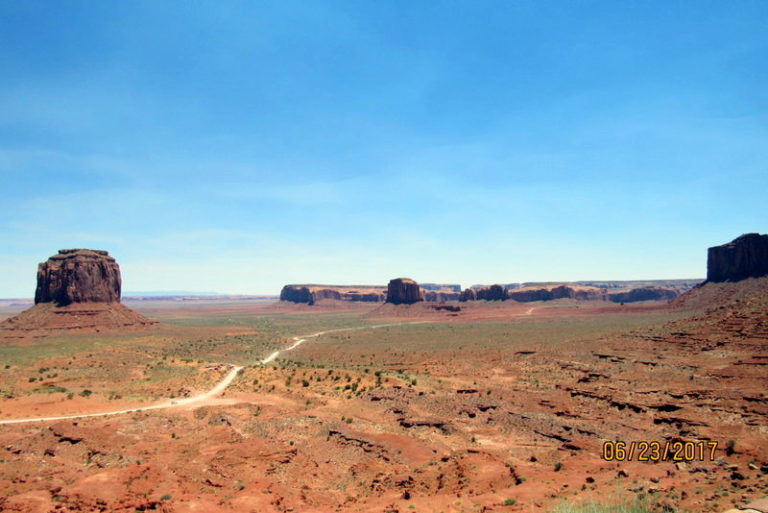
point(391, 405)
point(341, 256)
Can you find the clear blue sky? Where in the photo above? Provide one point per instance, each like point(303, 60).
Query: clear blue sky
point(237, 146)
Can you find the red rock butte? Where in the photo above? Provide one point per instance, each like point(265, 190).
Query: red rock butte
point(403, 291)
point(78, 276)
point(77, 289)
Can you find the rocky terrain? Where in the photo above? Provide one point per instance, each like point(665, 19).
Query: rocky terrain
point(744, 257)
point(483, 406)
point(77, 290)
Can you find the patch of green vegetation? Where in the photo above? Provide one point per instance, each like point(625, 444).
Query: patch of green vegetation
point(163, 372)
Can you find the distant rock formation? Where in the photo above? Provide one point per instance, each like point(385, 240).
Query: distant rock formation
point(492, 293)
point(468, 295)
point(643, 294)
point(311, 294)
point(527, 294)
point(296, 294)
point(403, 291)
point(78, 276)
point(744, 257)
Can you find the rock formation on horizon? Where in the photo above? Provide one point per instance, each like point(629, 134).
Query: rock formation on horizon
point(744, 257)
point(492, 293)
point(296, 294)
point(552, 292)
point(77, 289)
point(642, 294)
point(403, 291)
point(468, 295)
point(78, 276)
point(311, 294)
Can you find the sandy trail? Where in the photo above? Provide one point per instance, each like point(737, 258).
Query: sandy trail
point(216, 390)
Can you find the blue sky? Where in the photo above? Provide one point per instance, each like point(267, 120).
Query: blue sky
point(238, 146)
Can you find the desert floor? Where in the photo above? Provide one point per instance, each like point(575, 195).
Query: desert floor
point(495, 407)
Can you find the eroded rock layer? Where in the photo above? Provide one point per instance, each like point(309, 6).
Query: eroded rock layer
point(77, 289)
point(643, 294)
point(744, 257)
point(311, 294)
point(78, 276)
point(403, 291)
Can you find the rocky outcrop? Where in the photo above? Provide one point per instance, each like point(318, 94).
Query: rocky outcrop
point(744, 257)
point(296, 294)
point(492, 293)
point(643, 294)
point(78, 276)
point(403, 291)
point(310, 294)
point(468, 295)
point(319, 294)
point(528, 294)
point(77, 290)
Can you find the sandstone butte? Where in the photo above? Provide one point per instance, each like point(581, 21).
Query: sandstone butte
point(403, 291)
point(744, 257)
point(77, 289)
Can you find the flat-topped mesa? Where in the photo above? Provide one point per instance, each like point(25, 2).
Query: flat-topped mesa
point(744, 257)
point(553, 291)
point(311, 294)
point(78, 276)
point(296, 294)
point(403, 291)
point(643, 294)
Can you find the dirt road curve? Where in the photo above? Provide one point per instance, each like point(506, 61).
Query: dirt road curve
point(216, 390)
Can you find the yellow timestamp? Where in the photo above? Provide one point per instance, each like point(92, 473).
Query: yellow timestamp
point(659, 451)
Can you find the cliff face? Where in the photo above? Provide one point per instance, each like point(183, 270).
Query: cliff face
point(492, 293)
point(744, 257)
point(296, 294)
point(78, 290)
point(643, 294)
point(78, 276)
point(310, 294)
point(527, 294)
point(403, 291)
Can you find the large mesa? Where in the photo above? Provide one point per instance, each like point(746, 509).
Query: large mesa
point(743, 257)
